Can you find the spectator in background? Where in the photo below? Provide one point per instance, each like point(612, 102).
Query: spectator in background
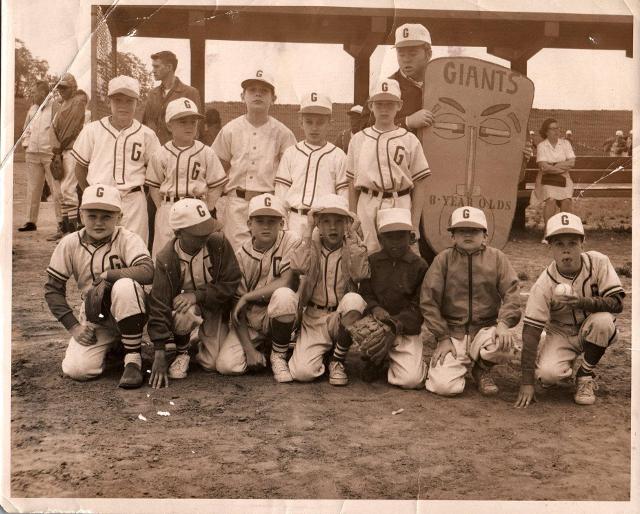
point(568, 135)
point(630, 143)
point(212, 125)
point(616, 146)
point(342, 141)
point(37, 144)
point(555, 158)
point(84, 97)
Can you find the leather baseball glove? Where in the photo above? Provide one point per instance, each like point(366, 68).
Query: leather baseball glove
point(97, 303)
point(374, 338)
point(57, 170)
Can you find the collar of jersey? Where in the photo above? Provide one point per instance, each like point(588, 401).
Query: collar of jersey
point(107, 121)
point(254, 251)
point(180, 150)
point(84, 237)
point(326, 251)
point(305, 146)
point(554, 268)
point(379, 133)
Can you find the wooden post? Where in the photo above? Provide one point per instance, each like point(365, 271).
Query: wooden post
point(93, 104)
point(197, 65)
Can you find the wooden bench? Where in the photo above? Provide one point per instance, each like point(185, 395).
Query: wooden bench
point(586, 171)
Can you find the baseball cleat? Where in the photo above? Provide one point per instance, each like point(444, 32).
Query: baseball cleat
point(179, 366)
point(280, 367)
point(484, 382)
point(27, 227)
point(337, 374)
point(131, 377)
point(586, 387)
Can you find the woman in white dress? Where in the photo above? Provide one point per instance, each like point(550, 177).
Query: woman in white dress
point(555, 158)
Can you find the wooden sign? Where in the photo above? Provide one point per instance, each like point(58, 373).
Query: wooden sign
point(474, 147)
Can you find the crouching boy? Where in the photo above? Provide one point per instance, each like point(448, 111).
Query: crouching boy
point(196, 277)
point(264, 315)
point(101, 251)
point(333, 260)
point(574, 300)
point(470, 301)
point(393, 297)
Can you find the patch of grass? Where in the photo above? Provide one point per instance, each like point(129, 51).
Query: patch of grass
point(625, 270)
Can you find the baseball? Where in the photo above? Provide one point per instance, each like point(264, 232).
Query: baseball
point(563, 290)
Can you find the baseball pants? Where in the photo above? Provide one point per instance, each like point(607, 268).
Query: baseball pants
point(39, 169)
point(558, 350)
point(211, 332)
point(86, 362)
point(134, 213)
point(406, 366)
point(233, 212)
point(162, 233)
point(447, 379)
point(367, 211)
point(232, 360)
point(68, 186)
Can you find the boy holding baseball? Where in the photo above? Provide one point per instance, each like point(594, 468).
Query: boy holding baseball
point(101, 251)
point(196, 277)
point(383, 165)
point(574, 300)
point(470, 300)
point(250, 148)
point(182, 168)
point(313, 167)
point(393, 297)
point(264, 315)
point(334, 262)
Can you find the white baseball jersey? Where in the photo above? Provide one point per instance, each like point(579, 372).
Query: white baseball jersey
point(307, 173)
point(116, 158)
point(332, 283)
point(180, 172)
point(194, 269)
point(385, 161)
point(75, 256)
point(261, 268)
point(253, 152)
point(597, 277)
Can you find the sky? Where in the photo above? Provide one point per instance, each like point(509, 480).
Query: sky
point(58, 31)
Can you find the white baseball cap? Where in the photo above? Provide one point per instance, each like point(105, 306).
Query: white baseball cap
point(332, 204)
point(395, 219)
point(356, 109)
point(266, 205)
point(124, 85)
point(192, 216)
point(564, 223)
point(619, 133)
point(102, 197)
point(181, 108)
point(315, 103)
point(568, 132)
point(259, 76)
point(412, 34)
point(352, 302)
point(468, 217)
point(386, 89)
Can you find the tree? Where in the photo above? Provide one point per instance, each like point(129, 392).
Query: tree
point(128, 64)
point(28, 69)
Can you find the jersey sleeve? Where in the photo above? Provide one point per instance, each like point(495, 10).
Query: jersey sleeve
point(608, 281)
point(216, 176)
point(287, 140)
point(342, 182)
point(538, 310)
point(418, 166)
point(156, 170)
point(350, 162)
point(283, 180)
point(83, 146)
point(133, 248)
point(243, 288)
point(222, 144)
point(152, 145)
point(291, 244)
point(60, 265)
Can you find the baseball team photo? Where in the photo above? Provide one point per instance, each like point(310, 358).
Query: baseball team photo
point(319, 251)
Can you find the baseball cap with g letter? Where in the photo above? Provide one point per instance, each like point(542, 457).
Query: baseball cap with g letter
point(332, 204)
point(192, 216)
point(259, 76)
point(386, 89)
point(564, 223)
point(315, 103)
point(395, 219)
point(412, 34)
point(101, 197)
point(266, 205)
point(468, 217)
point(124, 85)
point(181, 108)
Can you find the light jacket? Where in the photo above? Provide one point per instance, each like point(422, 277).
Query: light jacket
point(37, 128)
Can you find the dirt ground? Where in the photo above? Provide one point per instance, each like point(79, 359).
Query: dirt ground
point(248, 437)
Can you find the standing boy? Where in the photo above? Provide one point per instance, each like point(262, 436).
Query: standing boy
point(250, 148)
point(575, 301)
point(311, 168)
point(334, 262)
point(101, 251)
point(115, 150)
point(264, 315)
point(383, 164)
point(196, 277)
point(343, 139)
point(182, 168)
point(470, 301)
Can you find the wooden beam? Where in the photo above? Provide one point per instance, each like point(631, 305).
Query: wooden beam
point(197, 44)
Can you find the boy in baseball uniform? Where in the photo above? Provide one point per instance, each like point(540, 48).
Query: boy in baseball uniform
point(393, 297)
point(250, 148)
point(196, 277)
point(116, 150)
point(264, 315)
point(334, 261)
point(470, 300)
point(574, 301)
point(384, 162)
point(182, 168)
point(101, 251)
point(313, 167)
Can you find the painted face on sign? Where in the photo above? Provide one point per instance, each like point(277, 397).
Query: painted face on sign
point(567, 250)
point(264, 230)
point(99, 224)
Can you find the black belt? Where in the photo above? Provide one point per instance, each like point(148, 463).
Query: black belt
point(328, 309)
point(385, 194)
point(246, 195)
point(302, 212)
point(135, 189)
point(173, 199)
